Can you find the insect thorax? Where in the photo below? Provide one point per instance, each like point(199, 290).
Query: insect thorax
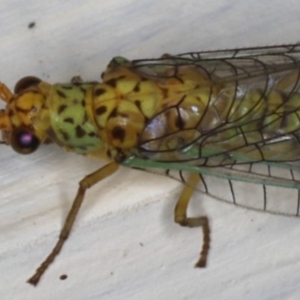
point(71, 118)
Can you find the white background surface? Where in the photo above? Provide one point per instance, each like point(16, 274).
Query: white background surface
point(125, 244)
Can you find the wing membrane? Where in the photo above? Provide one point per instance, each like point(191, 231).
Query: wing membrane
point(249, 100)
point(228, 65)
point(247, 120)
point(273, 188)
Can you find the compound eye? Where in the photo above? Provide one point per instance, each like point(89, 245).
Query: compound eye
point(24, 141)
point(25, 83)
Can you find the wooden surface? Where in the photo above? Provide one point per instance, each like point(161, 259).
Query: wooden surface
point(125, 244)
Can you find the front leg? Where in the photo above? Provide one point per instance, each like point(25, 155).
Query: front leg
point(84, 184)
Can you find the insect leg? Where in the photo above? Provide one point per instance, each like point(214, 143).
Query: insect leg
point(84, 184)
point(181, 218)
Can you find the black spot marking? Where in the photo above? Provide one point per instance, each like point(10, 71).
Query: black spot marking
point(138, 104)
point(61, 94)
point(179, 123)
point(99, 92)
point(101, 110)
point(80, 132)
point(93, 134)
point(61, 108)
point(102, 75)
point(137, 88)
point(114, 113)
point(65, 135)
point(69, 120)
point(118, 133)
point(112, 82)
point(83, 103)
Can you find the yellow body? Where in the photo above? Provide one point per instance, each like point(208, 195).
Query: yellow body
point(203, 113)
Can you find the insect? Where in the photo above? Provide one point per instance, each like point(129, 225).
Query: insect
point(209, 114)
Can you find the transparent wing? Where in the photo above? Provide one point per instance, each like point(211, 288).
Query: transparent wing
point(225, 107)
point(226, 65)
point(233, 116)
point(256, 186)
point(272, 188)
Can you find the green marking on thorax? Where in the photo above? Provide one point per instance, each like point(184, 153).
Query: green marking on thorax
point(71, 117)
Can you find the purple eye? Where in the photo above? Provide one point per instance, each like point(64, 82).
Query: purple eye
point(25, 138)
point(23, 141)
